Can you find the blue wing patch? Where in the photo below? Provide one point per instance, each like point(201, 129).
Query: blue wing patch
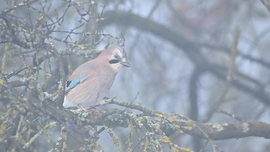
point(70, 85)
point(73, 83)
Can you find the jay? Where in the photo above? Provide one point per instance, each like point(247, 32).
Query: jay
point(91, 81)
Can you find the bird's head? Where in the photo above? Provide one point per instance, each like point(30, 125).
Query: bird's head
point(116, 57)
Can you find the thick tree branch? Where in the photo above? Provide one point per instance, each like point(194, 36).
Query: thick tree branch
point(171, 123)
point(266, 3)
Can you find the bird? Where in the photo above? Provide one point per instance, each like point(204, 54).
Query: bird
point(91, 81)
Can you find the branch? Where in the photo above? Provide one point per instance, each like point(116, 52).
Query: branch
point(171, 123)
point(266, 3)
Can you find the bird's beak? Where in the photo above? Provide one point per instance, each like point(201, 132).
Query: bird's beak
point(126, 64)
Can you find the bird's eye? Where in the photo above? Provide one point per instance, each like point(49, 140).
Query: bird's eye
point(116, 56)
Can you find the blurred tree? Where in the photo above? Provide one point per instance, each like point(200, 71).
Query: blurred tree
point(196, 58)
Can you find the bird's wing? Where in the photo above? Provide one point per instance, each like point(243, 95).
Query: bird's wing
point(80, 74)
point(73, 83)
point(70, 84)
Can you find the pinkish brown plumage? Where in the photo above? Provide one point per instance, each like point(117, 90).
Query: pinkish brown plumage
point(91, 81)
